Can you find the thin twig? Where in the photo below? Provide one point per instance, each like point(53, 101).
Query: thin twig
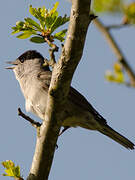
point(52, 61)
point(34, 123)
point(49, 39)
point(52, 45)
point(19, 178)
point(52, 57)
point(117, 26)
point(117, 50)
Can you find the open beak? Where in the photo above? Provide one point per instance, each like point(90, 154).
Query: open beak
point(12, 63)
point(12, 67)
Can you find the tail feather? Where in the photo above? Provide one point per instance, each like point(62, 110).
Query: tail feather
point(108, 131)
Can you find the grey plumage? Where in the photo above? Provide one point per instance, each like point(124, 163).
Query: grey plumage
point(34, 80)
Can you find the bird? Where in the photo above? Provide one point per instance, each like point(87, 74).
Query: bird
point(34, 79)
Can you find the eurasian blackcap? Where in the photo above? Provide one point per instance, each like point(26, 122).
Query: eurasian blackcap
point(34, 80)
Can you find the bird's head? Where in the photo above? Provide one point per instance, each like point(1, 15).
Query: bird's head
point(28, 62)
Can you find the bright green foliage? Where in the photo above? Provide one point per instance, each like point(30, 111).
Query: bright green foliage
point(60, 35)
point(107, 6)
point(116, 6)
point(48, 22)
point(117, 76)
point(11, 170)
point(37, 39)
point(129, 12)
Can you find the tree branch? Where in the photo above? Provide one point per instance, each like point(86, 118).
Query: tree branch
point(59, 88)
point(117, 26)
point(52, 61)
point(116, 49)
point(34, 123)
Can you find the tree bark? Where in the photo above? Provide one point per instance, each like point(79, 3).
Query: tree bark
point(61, 79)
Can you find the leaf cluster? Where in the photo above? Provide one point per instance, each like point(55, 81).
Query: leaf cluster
point(11, 170)
point(107, 6)
point(129, 12)
point(48, 22)
point(116, 6)
point(117, 75)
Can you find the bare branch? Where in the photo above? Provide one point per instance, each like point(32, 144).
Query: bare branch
point(117, 26)
point(52, 61)
point(34, 123)
point(59, 88)
point(52, 45)
point(117, 51)
point(19, 178)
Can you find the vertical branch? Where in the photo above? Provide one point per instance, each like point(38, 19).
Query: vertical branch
point(58, 90)
point(117, 51)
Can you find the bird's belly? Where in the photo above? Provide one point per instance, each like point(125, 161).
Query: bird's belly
point(35, 109)
point(72, 117)
point(28, 105)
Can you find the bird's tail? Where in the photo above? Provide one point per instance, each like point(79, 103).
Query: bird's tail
point(108, 131)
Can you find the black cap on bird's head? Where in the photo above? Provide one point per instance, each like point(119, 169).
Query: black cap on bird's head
point(31, 54)
point(28, 55)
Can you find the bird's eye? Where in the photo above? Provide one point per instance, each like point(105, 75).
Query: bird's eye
point(21, 60)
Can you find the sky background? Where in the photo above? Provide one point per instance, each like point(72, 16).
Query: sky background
point(82, 154)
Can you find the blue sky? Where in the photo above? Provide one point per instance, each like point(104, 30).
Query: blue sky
point(82, 154)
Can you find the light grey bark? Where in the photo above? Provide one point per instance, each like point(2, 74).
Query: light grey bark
point(61, 78)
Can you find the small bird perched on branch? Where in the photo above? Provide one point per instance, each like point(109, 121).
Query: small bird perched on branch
point(34, 80)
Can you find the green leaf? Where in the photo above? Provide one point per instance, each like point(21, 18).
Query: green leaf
point(50, 20)
point(43, 11)
point(18, 27)
point(19, 24)
point(36, 13)
point(107, 6)
point(15, 31)
point(53, 10)
point(117, 76)
point(109, 76)
point(129, 11)
point(25, 35)
point(37, 39)
point(33, 23)
point(32, 10)
point(59, 22)
point(23, 26)
point(120, 78)
point(11, 170)
point(60, 35)
point(7, 164)
point(17, 171)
